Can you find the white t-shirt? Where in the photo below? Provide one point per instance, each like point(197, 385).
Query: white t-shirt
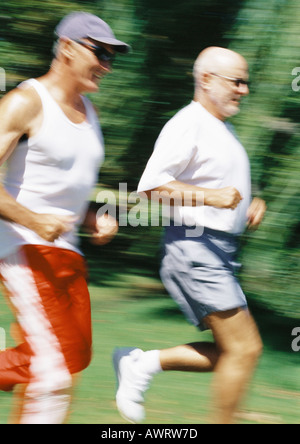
point(198, 149)
point(53, 172)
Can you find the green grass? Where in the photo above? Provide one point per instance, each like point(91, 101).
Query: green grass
point(132, 309)
point(136, 312)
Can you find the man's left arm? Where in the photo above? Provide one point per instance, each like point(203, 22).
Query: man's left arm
point(256, 213)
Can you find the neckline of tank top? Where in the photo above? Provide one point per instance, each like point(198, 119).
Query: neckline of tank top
point(83, 125)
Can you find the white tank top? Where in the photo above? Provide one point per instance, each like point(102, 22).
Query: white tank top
point(53, 172)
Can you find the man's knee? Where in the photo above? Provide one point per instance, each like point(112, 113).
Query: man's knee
point(248, 352)
point(256, 348)
point(244, 353)
point(237, 335)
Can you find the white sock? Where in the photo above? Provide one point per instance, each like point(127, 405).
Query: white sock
point(149, 362)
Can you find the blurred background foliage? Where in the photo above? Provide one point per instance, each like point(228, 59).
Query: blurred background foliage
point(150, 84)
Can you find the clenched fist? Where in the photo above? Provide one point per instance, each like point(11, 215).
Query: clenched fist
point(50, 226)
point(228, 197)
point(256, 213)
point(101, 228)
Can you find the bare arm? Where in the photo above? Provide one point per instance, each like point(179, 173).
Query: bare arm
point(179, 193)
point(19, 111)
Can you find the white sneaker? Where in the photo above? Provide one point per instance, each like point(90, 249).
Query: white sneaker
point(132, 384)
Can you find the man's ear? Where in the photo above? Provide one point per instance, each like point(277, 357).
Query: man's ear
point(205, 80)
point(66, 48)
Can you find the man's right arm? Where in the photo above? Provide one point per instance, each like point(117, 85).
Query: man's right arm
point(182, 194)
point(18, 109)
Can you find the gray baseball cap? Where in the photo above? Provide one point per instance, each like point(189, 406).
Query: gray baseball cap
point(79, 25)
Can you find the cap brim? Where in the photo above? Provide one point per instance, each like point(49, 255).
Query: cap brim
point(118, 45)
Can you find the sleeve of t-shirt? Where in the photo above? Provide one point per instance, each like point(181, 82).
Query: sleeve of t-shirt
point(172, 154)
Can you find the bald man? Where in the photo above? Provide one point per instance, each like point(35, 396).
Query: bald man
point(198, 159)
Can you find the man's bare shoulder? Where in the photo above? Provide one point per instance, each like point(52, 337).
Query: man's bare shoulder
point(20, 114)
point(20, 105)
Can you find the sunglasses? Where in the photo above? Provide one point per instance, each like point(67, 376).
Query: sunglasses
point(237, 82)
point(101, 53)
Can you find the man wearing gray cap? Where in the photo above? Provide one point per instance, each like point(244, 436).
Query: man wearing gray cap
point(53, 146)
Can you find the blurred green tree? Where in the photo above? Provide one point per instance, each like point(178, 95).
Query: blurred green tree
point(149, 85)
point(269, 126)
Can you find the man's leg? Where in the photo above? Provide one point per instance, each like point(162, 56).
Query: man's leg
point(196, 357)
point(51, 299)
point(239, 344)
point(135, 370)
point(232, 357)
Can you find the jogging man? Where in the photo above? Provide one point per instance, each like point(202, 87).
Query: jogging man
point(53, 145)
point(197, 154)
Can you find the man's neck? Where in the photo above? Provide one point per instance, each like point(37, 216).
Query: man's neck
point(61, 85)
point(208, 105)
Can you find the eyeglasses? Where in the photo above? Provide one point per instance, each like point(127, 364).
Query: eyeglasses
point(101, 53)
point(237, 82)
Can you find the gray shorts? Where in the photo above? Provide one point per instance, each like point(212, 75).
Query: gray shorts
point(199, 273)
